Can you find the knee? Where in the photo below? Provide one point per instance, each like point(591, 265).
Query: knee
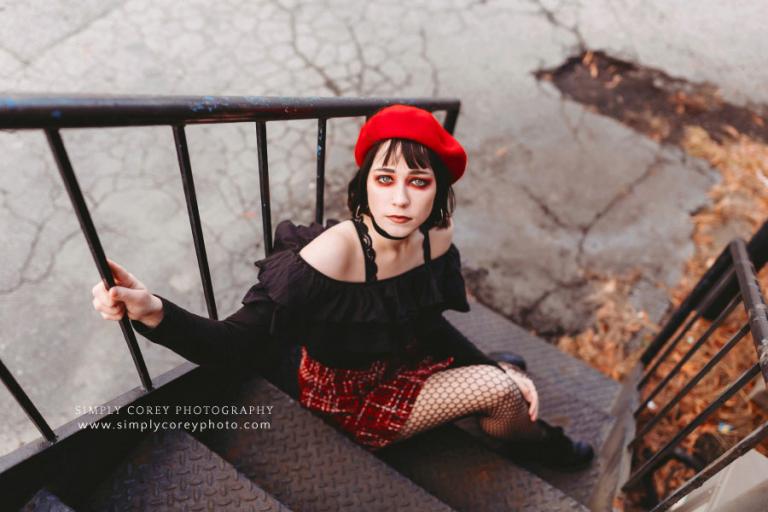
point(503, 390)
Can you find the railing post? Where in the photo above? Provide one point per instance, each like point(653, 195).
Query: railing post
point(320, 179)
point(24, 401)
point(185, 166)
point(266, 207)
point(88, 229)
point(451, 115)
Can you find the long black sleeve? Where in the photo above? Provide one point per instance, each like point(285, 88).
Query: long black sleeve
point(242, 339)
point(443, 339)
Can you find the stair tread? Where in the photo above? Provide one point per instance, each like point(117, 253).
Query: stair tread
point(465, 474)
point(171, 470)
point(581, 421)
point(572, 394)
point(492, 332)
point(309, 465)
point(45, 501)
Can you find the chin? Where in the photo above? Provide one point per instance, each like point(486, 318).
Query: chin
point(403, 229)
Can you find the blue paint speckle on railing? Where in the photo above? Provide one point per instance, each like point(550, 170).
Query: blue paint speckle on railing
point(56, 114)
point(206, 103)
point(8, 103)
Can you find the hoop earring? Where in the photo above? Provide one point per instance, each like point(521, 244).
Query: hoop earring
point(357, 212)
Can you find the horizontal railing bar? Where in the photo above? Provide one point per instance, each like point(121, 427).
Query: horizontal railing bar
point(28, 111)
point(690, 353)
point(711, 276)
point(711, 295)
point(657, 458)
point(193, 212)
point(753, 302)
point(724, 350)
point(26, 403)
point(736, 451)
point(94, 244)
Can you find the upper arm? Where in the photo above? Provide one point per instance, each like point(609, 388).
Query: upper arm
point(440, 239)
point(329, 253)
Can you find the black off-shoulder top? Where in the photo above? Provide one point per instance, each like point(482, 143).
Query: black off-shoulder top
point(342, 324)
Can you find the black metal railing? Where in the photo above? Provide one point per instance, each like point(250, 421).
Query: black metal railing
point(53, 113)
point(730, 281)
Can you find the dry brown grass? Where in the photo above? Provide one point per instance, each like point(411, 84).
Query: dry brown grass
point(739, 205)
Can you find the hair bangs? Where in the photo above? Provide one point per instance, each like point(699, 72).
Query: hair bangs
point(416, 155)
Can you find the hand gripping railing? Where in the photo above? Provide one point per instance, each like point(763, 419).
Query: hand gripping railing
point(735, 275)
point(53, 113)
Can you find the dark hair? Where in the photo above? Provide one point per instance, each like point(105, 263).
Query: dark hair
point(417, 156)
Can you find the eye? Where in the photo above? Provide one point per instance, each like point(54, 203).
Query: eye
point(384, 177)
point(419, 182)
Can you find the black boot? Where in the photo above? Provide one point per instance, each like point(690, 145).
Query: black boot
point(509, 357)
point(554, 450)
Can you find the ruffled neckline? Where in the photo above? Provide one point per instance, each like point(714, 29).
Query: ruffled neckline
point(377, 281)
point(302, 291)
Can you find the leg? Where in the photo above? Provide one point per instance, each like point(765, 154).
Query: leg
point(478, 389)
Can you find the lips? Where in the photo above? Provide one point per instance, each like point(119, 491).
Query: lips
point(398, 219)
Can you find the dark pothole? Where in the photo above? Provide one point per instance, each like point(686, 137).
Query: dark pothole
point(652, 102)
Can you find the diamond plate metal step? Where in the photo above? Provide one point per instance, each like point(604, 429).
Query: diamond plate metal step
point(580, 421)
point(492, 332)
point(171, 470)
point(456, 467)
point(45, 501)
point(572, 394)
point(309, 465)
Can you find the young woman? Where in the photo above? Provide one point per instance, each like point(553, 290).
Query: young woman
point(362, 301)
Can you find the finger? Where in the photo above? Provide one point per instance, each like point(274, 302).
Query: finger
point(104, 297)
point(120, 274)
point(105, 316)
point(115, 310)
point(535, 406)
point(99, 306)
point(533, 410)
point(123, 294)
point(525, 390)
point(520, 383)
point(534, 401)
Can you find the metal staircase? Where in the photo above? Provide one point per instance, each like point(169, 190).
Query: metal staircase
point(302, 463)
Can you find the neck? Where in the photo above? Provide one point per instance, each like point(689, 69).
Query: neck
point(388, 245)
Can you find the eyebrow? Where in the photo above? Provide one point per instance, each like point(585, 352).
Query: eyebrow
point(413, 171)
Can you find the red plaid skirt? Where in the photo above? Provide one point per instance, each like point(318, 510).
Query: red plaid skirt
point(372, 404)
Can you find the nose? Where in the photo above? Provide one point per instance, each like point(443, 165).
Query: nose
point(400, 196)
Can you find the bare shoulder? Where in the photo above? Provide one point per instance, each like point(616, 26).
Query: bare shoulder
point(440, 239)
point(331, 252)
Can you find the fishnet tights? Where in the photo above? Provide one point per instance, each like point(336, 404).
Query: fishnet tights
point(481, 390)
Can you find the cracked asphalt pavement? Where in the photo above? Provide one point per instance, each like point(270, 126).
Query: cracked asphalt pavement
point(552, 190)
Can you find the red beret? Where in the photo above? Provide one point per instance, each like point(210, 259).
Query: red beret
point(406, 122)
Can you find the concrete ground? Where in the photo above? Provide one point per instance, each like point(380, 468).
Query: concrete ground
point(552, 193)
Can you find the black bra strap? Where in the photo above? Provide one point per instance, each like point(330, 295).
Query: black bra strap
point(369, 254)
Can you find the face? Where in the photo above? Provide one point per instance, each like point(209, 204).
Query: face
point(400, 199)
